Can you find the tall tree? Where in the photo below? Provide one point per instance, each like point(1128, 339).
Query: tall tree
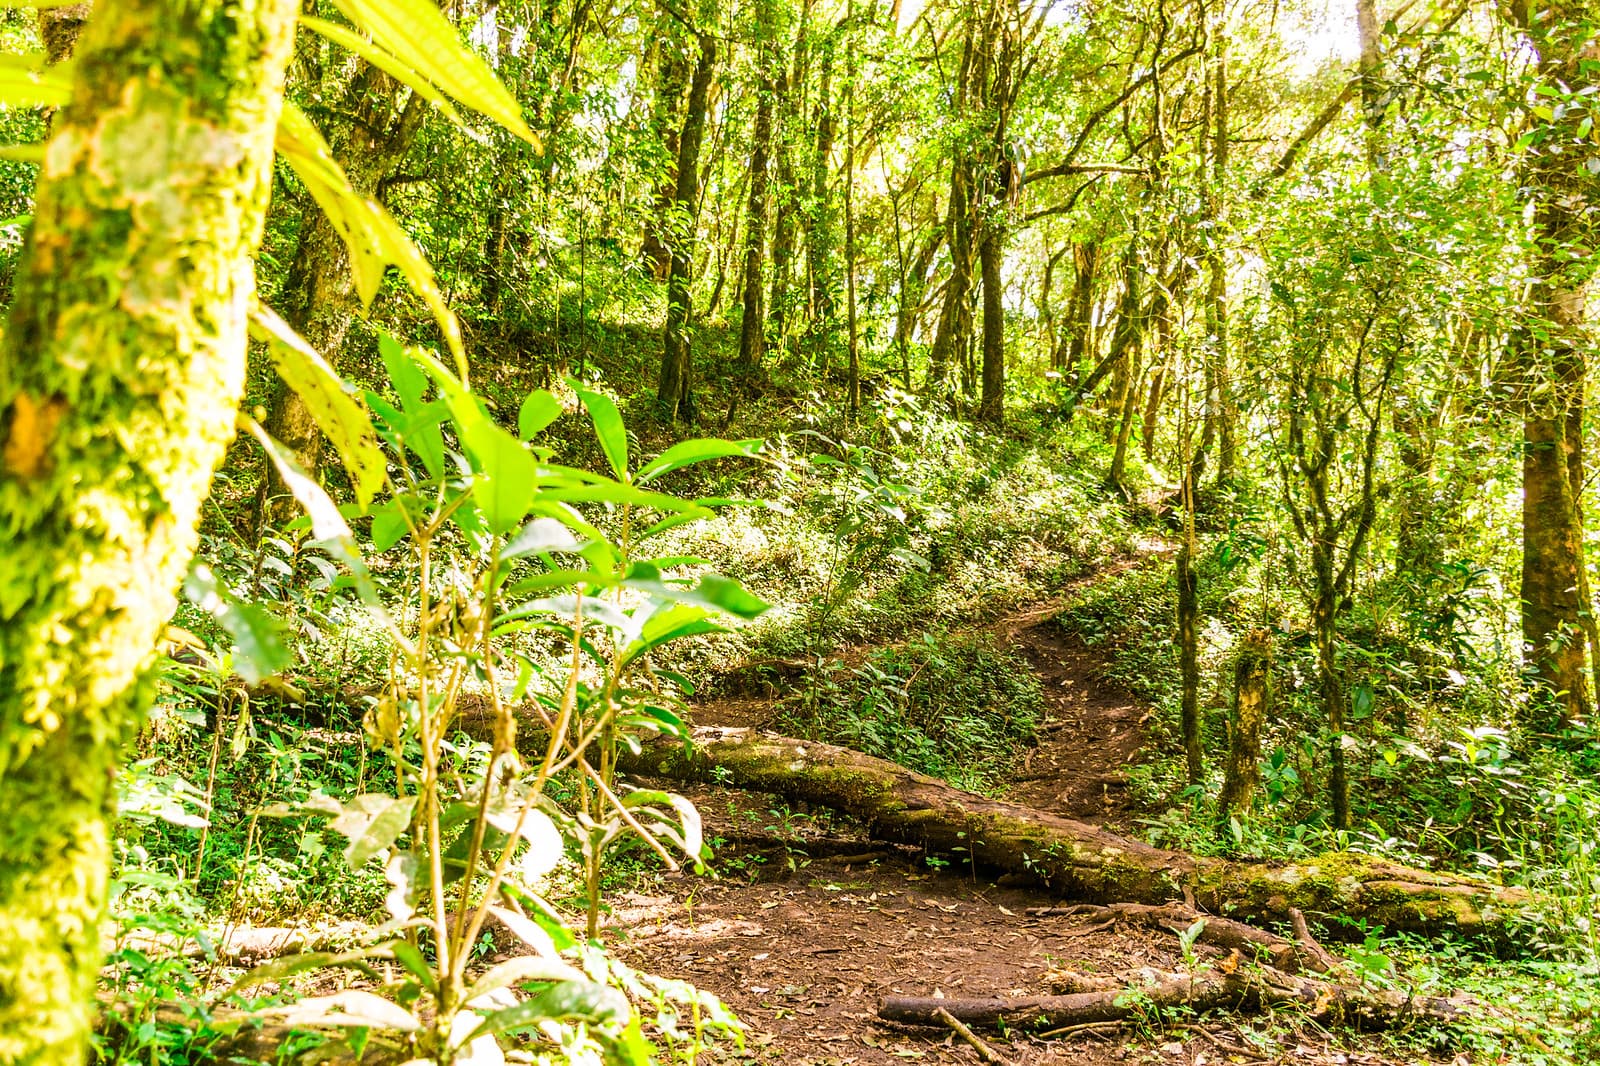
point(1551, 348)
point(674, 391)
point(120, 373)
point(753, 325)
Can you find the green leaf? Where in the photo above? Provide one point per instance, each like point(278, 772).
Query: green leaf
point(342, 417)
point(608, 428)
point(539, 536)
point(410, 381)
point(570, 1001)
point(505, 484)
point(421, 37)
point(385, 827)
point(327, 522)
point(713, 591)
point(290, 965)
point(520, 970)
point(27, 81)
point(385, 61)
point(689, 452)
point(258, 645)
point(370, 234)
point(539, 409)
point(408, 955)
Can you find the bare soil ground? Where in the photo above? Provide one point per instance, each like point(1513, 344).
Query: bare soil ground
point(810, 923)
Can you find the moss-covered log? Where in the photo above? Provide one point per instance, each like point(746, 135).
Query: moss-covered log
point(1079, 860)
point(120, 374)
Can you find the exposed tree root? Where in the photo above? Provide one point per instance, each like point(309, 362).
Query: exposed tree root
point(1082, 861)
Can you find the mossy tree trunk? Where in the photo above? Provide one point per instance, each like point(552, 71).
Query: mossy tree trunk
point(1556, 609)
point(674, 393)
point(120, 374)
point(1252, 673)
point(753, 325)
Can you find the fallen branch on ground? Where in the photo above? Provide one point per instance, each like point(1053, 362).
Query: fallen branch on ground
point(1208, 988)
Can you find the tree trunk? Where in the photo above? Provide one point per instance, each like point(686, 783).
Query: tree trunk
point(822, 245)
point(991, 405)
point(1252, 679)
point(785, 231)
point(1134, 997)
point(1331, 687)
point(1073, 858)
point(59, 29)
point(955, 314)
point(672, 76)
point(753, 325)
point(674, 394)
point(124, 360)
point(1189, 645)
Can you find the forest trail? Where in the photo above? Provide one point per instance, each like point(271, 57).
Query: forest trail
point(810, 923)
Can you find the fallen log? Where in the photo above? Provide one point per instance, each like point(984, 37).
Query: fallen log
point(1078, 860)
point(1208, 988)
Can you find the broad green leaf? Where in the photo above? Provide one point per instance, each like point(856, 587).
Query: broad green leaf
point(386, 62)
point(259, 650)
point(342, 418)
point(520, 970)
point(410, 381)
point(370, 234)
point(570, 1000)
point(689, 452)
point(348, 1009)
point(525, 929)
point(712, 590)
point(290, 965)
point(539, 409)
point(22, 153)
point(26, 81)
point(327, 522)
point(408, 955)
point(505, 483)
point(608, 427)
point(421, 37)
point(385, 827)
point(389, 525)
point(621, 494)
point(539, 536)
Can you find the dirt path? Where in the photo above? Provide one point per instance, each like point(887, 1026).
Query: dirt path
point(1091, 730)
point(810, 923)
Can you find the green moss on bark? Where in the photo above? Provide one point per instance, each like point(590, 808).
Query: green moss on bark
point(120, 374)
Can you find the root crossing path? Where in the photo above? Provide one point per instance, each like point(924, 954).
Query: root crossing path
point(810, 924)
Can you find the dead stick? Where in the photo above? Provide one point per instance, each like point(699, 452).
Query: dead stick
point(985, 1052)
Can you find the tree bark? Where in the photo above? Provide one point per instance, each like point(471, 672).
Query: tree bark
point(991, 404)
point(1555, 607)
point(672, 76)
point(674, 394)
point(120, 374)
point(1252, 678)
point(753, 325)
point(1079, 860)
point(822, 251)
point(1189, 644)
